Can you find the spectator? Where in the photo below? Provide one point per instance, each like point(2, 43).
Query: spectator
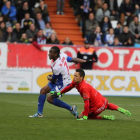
point(116, 43)
point(136, 7)
point(90, 25)
point(105, 25)
point(101, 12)
point(87, 53)
point(109, 39)
point(39, 39)
point(31, 32)
point(113, 7)
point(23, 38)
point(42, 8)
point(9, 12)
point(18, 31)
point(84, 8)
point(1, 4)
point(3, 27)
point(126, 9)
point(134, 28)
point(33, 3)
point(48, 30)
point(98, 4)
point(26, 22)
point(53, 39)
point(1, 19)
point(9, 36)
point(67, 41)
point(23, 10)
point(60, 7)
point(126, 37)
point(118, 29)
point(96, 38)
point(40, 23)
point(18, 3)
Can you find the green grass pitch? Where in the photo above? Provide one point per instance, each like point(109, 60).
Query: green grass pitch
point(59, 124)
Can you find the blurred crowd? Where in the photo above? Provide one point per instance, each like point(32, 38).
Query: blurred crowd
point(109, 22)
point(29, 22)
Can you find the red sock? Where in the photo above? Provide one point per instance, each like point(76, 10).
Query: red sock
point(112, 106)
point(95, 117)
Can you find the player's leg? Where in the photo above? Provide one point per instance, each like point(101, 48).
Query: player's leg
point(104, 117)
point(90, 116)
point(112, 106)
point(59, 103)
point(41, 100)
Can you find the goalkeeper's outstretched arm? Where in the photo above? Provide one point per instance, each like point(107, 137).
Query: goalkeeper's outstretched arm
point(67, 88)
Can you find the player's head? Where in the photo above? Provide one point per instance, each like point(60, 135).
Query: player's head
point(54, 52)
point(87, 44)
point(79, 75)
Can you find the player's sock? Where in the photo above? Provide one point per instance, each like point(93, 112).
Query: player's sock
point(112, 106)
point(125, 112)
point(41, 101)
point(62, 104)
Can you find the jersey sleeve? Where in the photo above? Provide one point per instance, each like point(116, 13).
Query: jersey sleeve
point(86, 94)
point(68, 88)
point(69, 59)
point(57, 70)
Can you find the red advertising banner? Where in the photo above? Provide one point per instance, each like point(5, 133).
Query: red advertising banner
point(110, 58)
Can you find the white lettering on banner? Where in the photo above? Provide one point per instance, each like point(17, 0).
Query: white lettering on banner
point(71, 50)
point(3, 55)
point(121, 53)
point(133, 61)
point(110, 58)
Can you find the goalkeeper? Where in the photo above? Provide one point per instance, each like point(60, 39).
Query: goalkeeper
point(94, 102)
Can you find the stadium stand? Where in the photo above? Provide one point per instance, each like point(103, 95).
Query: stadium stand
point(73, 22)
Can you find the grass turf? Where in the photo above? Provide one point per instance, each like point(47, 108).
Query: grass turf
point(59, 124)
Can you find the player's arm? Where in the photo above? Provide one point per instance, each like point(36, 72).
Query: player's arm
point(52, 78)
point(77, 60)
point(66, 89)
point(86, 97)
point(95, 57)
point(86, 107)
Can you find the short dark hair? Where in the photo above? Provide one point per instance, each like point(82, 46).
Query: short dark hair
point(56, 50)
point(81, 72)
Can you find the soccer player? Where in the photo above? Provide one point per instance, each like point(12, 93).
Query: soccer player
point(59, 80)
point(94, 102)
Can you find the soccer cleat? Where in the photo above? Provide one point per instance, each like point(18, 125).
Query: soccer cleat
point(74, 111)
point(36, 115)
point(125, 112)
point(106, 117)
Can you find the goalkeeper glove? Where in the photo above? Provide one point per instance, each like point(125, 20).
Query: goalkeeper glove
point(84, 118)
point(56, 94)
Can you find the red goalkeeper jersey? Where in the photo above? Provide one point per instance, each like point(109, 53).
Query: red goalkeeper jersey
point(96, 101)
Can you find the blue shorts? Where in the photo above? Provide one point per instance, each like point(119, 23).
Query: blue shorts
point(56, 87)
